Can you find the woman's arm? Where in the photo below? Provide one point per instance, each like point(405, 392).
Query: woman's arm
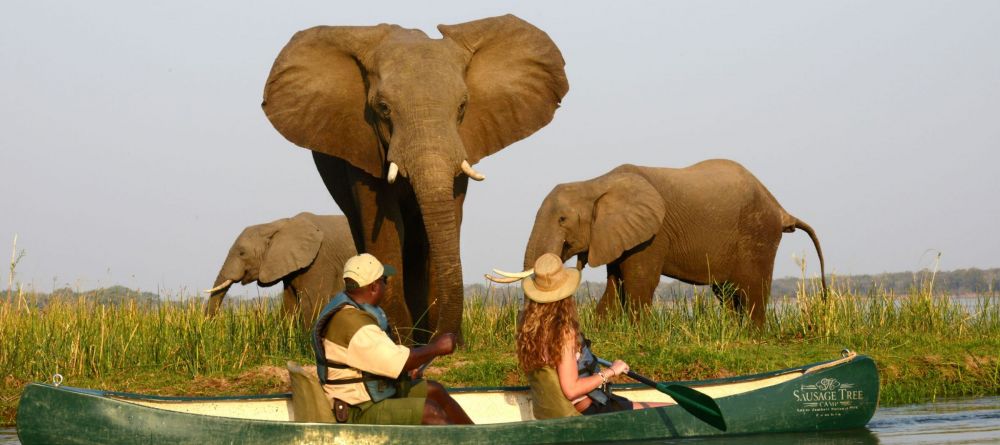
point(572, 385)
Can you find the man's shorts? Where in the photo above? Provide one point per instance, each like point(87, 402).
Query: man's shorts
point(406, 409)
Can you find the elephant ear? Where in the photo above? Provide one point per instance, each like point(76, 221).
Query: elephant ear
point(316, 96)
point(515, 79)
point(292, 247)
point(627, 214)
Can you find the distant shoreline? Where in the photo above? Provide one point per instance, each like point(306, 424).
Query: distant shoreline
point(959, 283)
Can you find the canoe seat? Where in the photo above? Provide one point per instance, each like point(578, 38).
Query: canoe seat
point(309, 402)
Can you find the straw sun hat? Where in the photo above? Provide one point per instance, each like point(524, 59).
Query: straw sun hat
point(551, 281)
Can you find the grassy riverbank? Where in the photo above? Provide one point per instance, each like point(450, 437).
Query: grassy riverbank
point(926, 345)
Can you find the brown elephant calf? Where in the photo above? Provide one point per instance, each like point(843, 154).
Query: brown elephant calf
point(306, 253)
point(712, 223)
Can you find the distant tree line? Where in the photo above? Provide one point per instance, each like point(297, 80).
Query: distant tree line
point(957, 282)
point(106, 295)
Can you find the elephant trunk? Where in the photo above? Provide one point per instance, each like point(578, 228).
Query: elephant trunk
point(232, 271)
point(435, 195)
point(542, 241)
point(217, 293)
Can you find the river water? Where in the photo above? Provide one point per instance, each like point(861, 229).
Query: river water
point(958, 421)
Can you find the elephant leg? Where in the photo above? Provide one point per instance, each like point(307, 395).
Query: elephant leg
point(416, 260)
point(309, 307)
point(757, 297)
point(336, 177)
point(613, 299)
point(289, 303)
point(372, 211)
point(314, 288)
point(640, 272)
point(754, 282)
point(381, 224)
point(729, 295)
point(756, 292)
point(747, 293)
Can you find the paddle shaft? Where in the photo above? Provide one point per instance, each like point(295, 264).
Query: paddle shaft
point(693, 401)
point(421, 368)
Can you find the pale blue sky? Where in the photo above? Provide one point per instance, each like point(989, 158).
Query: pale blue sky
point(133, 149)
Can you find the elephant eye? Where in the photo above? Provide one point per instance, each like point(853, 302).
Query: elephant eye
point(461, 111)
point(562, 219)
point(383, 110)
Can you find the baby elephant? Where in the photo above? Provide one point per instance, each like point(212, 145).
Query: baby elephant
point(710, 223)
point(305, 252)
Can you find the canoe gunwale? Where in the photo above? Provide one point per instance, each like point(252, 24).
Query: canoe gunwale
point(458, 390)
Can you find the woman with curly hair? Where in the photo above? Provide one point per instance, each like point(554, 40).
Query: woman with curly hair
point(564, 376)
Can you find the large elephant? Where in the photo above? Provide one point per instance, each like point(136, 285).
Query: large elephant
point(712, 223)
point(306, 253)
point(396, 120)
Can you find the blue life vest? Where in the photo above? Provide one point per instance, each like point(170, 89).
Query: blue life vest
point(379, 387)
point(587, 366)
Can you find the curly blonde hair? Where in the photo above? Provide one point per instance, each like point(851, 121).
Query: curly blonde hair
point(541, 331)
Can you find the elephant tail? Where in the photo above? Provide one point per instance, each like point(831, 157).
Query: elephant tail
point(795, 223)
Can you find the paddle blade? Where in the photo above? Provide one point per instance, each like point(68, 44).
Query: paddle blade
point(695, 402)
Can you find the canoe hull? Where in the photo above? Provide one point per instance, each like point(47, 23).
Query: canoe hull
point(840, 397)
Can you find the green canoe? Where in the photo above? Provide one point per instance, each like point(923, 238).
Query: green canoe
point(839, 394)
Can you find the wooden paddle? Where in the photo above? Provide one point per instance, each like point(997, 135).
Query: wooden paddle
point(693, 401)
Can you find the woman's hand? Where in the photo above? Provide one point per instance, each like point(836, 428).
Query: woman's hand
point(619, 367)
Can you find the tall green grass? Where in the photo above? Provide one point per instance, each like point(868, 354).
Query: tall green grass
point(877, 320)
point(80, 338)
point(926, 345)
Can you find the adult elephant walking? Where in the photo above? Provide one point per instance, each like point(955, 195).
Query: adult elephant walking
point(396, 120)
point(712, 223)
point(306, 253)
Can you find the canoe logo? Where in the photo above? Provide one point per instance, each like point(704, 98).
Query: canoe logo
point(828, 384)
point(828, 397)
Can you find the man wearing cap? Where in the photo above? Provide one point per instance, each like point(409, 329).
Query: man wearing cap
point(363, 371)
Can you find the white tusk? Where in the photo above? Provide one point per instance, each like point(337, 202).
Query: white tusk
point(393, 170)
point(219, 287)
point(518, 275)
point(501, 280)
point(472, 172)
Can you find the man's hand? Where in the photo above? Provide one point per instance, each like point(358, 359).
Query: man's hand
point(444, 344)
point(416, 373)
